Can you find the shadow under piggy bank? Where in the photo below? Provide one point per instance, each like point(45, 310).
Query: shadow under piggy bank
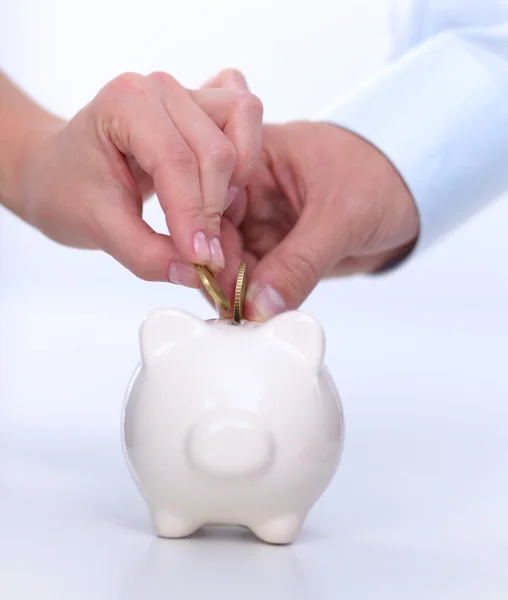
point(218, 562)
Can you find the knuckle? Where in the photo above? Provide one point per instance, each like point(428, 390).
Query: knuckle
point(222, 155)
point(193, 210)
point(251, 104)
point(182, 158)
point(246, 168)
point(213, 218)
point(189, 210)
point(163, 78)
point(299, 271)
point(251, 110)
point(112, 106)
point(233, 75)
point(231, 71)
point(140, 261)
point(126, 84)
point(137, 266)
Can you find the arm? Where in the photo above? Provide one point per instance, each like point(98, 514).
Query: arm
point(83, 182)
point(21, 120)
point(439, 110)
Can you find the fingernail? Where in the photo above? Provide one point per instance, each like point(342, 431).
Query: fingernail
point(217, 254)
point(182, 274)
point(232, 192)
point(201, 247)
point(267, 302)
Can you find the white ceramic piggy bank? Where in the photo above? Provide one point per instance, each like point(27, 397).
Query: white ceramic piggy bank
point(232, 424)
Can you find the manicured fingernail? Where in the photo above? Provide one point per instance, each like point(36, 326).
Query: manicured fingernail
point(232, 192)
point(182, 274)
point(267, 301)
point(201, 247)
point(217, 254)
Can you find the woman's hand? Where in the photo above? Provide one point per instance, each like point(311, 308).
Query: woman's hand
point(83, 183)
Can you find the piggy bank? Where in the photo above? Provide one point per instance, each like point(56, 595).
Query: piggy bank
point(232, 424)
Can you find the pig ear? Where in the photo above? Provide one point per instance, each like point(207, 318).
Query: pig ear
point(302, 332)
point(165, 328)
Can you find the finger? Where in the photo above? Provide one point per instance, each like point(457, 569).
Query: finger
point(233, 250)
point(286, 276)
point(228, 78)
point(215, 153)
point(149, 255)
point(130, 114)
point(235, 254)
point(240, 116)
point(237, 210)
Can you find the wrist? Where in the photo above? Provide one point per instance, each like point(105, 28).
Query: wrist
point(23, 123)
point(393, 258)
point(403, 216)
point(439, 113)
point(391, 226)
point(24, 143)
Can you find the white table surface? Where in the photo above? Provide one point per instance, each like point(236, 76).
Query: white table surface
point(418, 509)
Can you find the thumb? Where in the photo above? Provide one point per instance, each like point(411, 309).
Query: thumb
point(149, 255)
point(284, 277)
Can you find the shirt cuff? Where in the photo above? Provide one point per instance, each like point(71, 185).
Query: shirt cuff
point(440, 115)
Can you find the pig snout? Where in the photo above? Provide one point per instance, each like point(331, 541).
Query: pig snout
point(231, 445)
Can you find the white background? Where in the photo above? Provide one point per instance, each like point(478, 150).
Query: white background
point(419, 506)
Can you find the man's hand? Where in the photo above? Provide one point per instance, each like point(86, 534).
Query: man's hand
point(83, 183)
point(324, 203)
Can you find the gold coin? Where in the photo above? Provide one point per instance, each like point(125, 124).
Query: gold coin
point(240, 289)
point(213, 287)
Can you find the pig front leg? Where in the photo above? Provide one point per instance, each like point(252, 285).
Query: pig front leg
point(282, 529)
point(171, 525)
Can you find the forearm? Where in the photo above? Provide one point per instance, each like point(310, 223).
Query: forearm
point(21, 122)
point(439, 112)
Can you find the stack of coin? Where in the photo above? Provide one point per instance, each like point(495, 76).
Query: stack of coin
point(218, 295)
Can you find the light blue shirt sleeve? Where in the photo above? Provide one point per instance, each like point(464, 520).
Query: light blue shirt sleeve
point(439, 110)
